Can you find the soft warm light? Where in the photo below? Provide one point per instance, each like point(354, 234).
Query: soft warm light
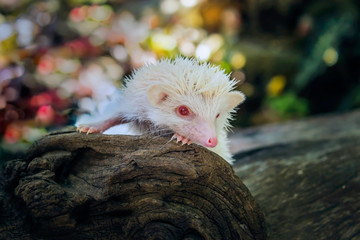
point(187, 48)
point(214, 41)
point(120, 53)
point(189, 3)
point(330, 56)
point(112, 69)
point(67, 65)
point(100, 13)
point(203, 52)
point(46, 65)
point(78, 14)
point(169, 6)
point(238, 60)
point(163, 42)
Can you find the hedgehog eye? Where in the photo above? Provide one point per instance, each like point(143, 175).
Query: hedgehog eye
point(217, 115)
point(183, 110)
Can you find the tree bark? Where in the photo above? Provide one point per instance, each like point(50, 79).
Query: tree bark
point(78, 186)
point(305, 175)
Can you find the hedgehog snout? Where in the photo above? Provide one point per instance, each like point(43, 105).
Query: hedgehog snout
point(205, 133)
point(211, 142)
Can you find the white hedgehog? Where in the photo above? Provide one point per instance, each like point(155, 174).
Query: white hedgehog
point(191, 99)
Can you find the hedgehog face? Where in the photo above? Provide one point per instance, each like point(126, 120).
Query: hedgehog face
point(197, 117)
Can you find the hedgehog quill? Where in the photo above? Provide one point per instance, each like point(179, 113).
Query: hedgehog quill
point(191, 99)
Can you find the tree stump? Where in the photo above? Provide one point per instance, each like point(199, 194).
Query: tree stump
point(78, 186)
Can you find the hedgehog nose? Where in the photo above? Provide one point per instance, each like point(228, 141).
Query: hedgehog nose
point(211, 142)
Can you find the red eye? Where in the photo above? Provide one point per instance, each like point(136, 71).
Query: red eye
point(217, 115)
point(183, 110)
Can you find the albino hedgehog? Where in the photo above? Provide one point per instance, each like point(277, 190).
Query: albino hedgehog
point(191, 99)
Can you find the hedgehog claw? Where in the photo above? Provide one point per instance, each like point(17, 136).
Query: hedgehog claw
point(87, 129)
point(181, 139)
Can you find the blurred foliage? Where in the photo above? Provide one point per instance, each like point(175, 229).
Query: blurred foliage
point(288, 105)
point(61, 58)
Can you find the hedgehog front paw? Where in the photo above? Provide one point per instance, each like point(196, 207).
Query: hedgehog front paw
point(181, 139)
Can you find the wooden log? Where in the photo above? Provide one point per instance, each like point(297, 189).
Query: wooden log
point(305, 175)
point(78, 186)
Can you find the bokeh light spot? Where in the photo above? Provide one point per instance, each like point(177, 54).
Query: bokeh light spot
point(163, 42)
point(45, 114)
point(330, 56)
point(203, 52)
point(276, 85)
point(189, 3)
point(238, 60)
point(169, 6)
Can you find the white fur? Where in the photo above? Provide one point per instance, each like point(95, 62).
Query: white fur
point(153, 92)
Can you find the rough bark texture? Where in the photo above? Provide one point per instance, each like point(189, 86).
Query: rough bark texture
point(305, 176)
point(77, 186)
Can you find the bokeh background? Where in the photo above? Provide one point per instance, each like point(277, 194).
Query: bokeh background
point(58, 59)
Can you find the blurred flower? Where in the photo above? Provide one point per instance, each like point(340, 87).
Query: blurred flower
point(40, 100)
point(125, 29)
point(100, 13)
point(25, 31)
point(119, 52)
point(45, 115)
point(276, 85)
point(80, 47)
point(46, 65)
point(12, 133)
point(7, 38)
point(78, 14)
point(6, 31)
point(187, 48)
point(140, 57)
point(87, 19)
point(163, 42)
point(9, 73)
point(94, 78)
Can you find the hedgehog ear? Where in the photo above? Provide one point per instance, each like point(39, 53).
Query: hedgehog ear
point(156, 95)
point(232, 99)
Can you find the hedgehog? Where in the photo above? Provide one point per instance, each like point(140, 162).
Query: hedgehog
point(191, 99)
